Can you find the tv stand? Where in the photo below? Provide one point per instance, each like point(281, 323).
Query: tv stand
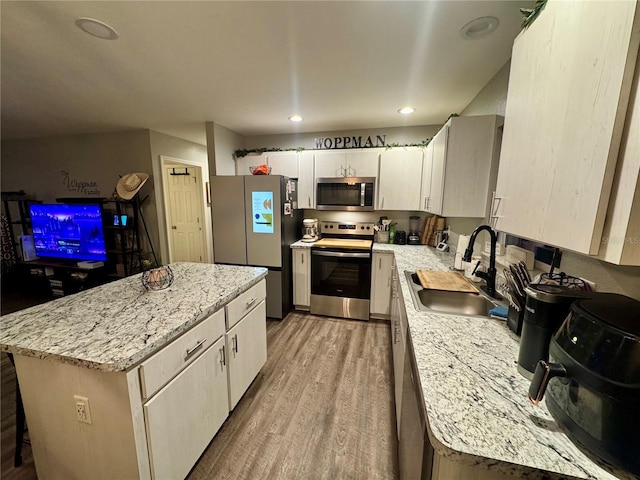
point(59, 277)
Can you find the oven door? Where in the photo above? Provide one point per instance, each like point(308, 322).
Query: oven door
point(341, 273)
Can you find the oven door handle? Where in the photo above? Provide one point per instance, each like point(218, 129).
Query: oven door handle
point(323, 253)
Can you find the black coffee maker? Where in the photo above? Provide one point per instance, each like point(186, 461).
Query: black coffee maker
point(546, 308)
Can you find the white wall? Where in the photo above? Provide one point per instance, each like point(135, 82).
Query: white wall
point(221, 143)
point(176, 149)
point(492, 99)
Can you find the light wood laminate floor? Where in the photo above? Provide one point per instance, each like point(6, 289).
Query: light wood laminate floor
point(321, 408)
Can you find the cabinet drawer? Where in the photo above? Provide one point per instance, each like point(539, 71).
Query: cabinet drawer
point(247, 301)
point(164, 365)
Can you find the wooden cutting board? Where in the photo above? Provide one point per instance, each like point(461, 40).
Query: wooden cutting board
point(343, 243)
point(452, 281)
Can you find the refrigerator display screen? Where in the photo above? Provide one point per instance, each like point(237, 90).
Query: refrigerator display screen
point(262, 212)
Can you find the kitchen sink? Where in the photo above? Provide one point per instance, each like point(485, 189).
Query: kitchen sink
point(449, 302)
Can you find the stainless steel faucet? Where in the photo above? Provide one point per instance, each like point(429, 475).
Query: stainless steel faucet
point(490, 275)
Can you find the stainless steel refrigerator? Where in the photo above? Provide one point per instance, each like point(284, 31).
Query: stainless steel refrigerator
point(255, 220)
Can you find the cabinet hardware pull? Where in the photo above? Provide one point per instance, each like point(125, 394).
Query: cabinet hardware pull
point(302, 257)
point(251, 302)
point(425, 203)
point(223, 362)
point(309, 198)
point(195, 347)
point(380, 263)
point(235, 343)
point(382, 206)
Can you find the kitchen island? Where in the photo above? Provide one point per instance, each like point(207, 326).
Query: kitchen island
point(479, 420)
point(120, 382)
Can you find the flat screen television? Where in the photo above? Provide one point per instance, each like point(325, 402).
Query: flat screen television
point(68, 231)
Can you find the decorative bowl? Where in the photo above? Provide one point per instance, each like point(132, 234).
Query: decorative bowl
point(157, 278)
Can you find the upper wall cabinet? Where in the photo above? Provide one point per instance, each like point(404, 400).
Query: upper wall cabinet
point(244, 163)
point(283, 163)
point(347, 163)
point(306, 180)
point(460, 167)
point(571, 74)
point(621, 235)
point(399, 180)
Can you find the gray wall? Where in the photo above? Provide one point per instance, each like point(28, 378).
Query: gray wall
point(90, 165)
point(193, 153)
point(37, 165)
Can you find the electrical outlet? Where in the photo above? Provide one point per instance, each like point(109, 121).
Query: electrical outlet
point(83, 412)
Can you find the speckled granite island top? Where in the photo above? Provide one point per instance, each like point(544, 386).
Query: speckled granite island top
point(114, 326)
point(475, 400)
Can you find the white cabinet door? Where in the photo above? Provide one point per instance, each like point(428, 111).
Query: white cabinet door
point(400, 178)
point(306, 180)
point(330, 164)
point(425, 184)
point(247, 352)
point(362, 163)
point(301, 277)
point(283, 163)
point(243, 163)
point(570, 79)
point(347, 163)
point(185, 415)
point(398, 332)
point(471, 165)
point(438, 171)
point(381, 272)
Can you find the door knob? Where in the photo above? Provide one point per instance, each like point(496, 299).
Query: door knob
point(173, 227)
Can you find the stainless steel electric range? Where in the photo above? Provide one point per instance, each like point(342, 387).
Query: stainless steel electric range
point(341, 270)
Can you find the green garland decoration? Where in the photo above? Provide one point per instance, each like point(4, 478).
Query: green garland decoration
point(530, 14)
point(259, 151)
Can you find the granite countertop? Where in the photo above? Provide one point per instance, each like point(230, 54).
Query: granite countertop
point(115, 326)
point(475, 399)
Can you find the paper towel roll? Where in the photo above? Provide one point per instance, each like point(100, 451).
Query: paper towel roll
point(463, 243)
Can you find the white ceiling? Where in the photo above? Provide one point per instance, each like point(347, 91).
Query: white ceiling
point(244, 65)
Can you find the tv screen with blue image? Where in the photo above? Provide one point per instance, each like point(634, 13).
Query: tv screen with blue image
point(71, 231)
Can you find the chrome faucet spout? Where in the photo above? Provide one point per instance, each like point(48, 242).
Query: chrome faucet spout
point(490, 275)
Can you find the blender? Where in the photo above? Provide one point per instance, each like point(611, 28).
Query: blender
point(414, 233)
point(310, 229)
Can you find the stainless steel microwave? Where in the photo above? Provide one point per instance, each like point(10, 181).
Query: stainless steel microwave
point(353, 194)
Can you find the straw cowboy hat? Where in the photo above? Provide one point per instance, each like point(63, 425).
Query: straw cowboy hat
point(129, 184)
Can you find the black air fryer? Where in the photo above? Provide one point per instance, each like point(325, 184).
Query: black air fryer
point(596, 390)
point(546, 307)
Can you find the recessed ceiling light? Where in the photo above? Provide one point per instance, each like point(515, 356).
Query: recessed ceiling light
point(96, 28)
point(480, 27)
point(295, 118)
point(406, 110)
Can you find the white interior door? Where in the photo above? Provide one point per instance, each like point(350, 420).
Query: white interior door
point(185, 213)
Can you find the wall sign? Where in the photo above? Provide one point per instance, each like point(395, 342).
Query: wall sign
point(79, 186)
point(351, 142)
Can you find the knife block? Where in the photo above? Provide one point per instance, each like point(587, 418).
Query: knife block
point(515, 319)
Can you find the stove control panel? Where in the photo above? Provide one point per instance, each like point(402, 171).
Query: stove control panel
point(347, 229)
